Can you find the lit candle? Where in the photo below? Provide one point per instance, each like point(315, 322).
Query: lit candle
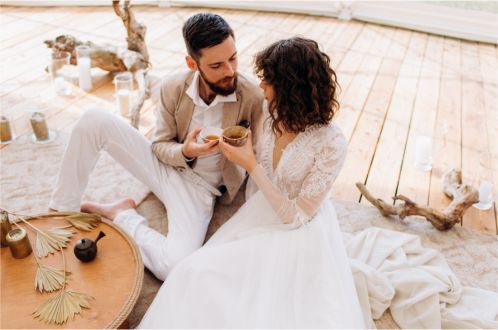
point(39, 126)
point(4, 228)
point(5, 132)
point(485, 192)
point(423, 153)
point(60, 85)
point(85, 77)
point(18, 243)
point(124, 101)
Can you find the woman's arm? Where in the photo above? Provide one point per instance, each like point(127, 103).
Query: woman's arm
point(329, 159)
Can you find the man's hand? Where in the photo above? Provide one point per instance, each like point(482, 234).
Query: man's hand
point(192, 149)
point(242, 156)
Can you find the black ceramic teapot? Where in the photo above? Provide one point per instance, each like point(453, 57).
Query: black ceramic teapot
point(86, 249)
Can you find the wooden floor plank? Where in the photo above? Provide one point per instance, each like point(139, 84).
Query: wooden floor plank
point(475, 155)
point(447, 134)
point(489, 73)
point(363, 143)
point(353, 56)
point(356, 92)
point(413, 182)
point(344, 36)
point(384, 173)
point(62, 25)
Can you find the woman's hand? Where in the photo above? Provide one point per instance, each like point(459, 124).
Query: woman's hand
point(242, 156)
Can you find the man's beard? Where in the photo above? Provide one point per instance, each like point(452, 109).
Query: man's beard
point(224, 91)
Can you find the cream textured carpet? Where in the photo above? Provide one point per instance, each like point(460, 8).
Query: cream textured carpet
point(472, 256)
point(29, 172)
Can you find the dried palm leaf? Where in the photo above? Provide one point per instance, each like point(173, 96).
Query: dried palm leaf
point(50, 240)
point(49, 279)
point(83, 221)
point(64, 305)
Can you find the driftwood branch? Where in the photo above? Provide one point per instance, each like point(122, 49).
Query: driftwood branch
point(143, 94)
point(463, 197)
point(134, 58)
point(135, 30)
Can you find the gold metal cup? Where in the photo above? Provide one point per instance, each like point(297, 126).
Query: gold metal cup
point(4, 228)
point(18, 243)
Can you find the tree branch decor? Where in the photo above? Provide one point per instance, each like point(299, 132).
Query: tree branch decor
point(463, 196)
point(65, 304)
point(134, 58)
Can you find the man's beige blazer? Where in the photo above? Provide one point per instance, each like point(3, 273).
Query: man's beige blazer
point(174, 114)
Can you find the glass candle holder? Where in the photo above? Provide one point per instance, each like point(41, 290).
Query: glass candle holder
point(42, 134)
point(124, 88)
point(484, 182)
point(485, 196)
point(84, 67)
point(7, 134)
point(59, 71)
point(423, 153)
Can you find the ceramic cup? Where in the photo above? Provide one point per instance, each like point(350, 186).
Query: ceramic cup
point(209, 134)
point(235, 135)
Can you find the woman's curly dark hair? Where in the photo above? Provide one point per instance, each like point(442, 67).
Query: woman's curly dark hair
point(305, 85)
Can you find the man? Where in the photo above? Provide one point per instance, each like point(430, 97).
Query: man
point(184, 173)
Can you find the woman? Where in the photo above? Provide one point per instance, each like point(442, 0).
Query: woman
point(279, 262)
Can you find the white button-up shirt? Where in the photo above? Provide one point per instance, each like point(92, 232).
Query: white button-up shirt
point(208, 166)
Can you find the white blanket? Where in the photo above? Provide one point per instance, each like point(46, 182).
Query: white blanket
point(393, 270)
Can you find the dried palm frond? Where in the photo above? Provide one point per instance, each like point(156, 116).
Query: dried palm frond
point(64, 305)
point(49, 279)
point(50, 240)
point(83, 221)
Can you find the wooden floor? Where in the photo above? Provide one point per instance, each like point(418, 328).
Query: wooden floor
point(396, 85)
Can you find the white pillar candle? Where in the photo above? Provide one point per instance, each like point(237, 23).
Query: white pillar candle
point(485, 191)
point(85, 77)
point(423, 152)
point(124, 101)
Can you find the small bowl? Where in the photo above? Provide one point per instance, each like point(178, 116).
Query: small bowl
point(235, 135)
point(209, 134)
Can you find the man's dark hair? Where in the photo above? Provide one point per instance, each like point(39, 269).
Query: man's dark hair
point(205, 30)
point(304, 83)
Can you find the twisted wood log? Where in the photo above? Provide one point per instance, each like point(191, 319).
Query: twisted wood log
point(463, 197)
point(134, 58)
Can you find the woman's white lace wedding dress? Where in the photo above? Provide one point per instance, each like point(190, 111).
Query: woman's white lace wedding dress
point(279, 262)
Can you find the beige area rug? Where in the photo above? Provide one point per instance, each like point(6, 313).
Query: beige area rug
point(473, 256)
point(29, 172)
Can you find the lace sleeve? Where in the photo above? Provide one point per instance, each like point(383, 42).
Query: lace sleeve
point(329, 159)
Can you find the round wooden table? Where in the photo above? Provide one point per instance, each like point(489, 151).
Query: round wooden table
point(114, 279)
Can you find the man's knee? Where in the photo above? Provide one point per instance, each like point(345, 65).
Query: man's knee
point(184, 251)
point(92, 119)
point(171, 257)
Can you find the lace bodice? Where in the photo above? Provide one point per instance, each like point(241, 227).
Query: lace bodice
point(305, 173)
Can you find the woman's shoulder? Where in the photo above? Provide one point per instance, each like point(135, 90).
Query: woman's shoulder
point(330, 135)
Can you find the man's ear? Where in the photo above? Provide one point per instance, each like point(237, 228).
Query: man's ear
point(191, 63)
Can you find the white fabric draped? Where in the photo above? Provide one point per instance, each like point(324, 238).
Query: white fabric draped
point(393, 270)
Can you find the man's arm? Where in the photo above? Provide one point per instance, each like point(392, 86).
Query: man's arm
point(165, 144)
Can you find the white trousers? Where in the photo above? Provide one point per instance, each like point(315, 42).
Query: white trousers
point(189, 208)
